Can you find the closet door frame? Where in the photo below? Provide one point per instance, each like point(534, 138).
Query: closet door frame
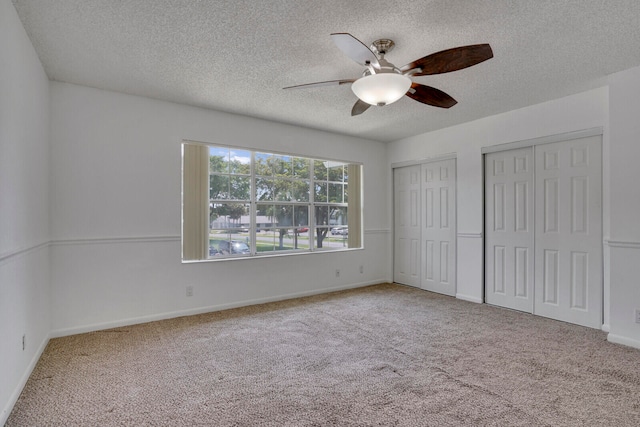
point(421, 162)
point(564, 137)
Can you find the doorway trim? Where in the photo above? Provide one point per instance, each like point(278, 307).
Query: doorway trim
point(437, 158)
point(567, 136)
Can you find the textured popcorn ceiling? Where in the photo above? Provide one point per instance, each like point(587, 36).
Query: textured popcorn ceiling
point(237, 55)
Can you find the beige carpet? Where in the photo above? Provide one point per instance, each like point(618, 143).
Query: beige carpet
point(384, 355)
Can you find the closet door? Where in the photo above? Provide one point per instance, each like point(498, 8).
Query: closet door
point(438, 235)
point(568, 236)
point(509, 233)
point(406, 263)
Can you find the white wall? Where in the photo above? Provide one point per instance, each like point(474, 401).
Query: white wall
point(578, 112)
point(24, 207)
point(116, 170)
point(624, 243)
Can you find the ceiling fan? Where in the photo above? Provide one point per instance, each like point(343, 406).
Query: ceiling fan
point(383, 83)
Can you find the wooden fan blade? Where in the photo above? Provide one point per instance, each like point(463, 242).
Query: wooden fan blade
point(359, 107)
point(319, 84)
point(449, 60)
point(431, 96)
point(355, 49)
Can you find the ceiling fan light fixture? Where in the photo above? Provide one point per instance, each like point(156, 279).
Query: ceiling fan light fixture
point(381, 89)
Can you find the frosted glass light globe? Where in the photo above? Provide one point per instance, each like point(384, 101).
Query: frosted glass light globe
point(381, 89)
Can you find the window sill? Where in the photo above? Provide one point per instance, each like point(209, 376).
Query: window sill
point(276, 255)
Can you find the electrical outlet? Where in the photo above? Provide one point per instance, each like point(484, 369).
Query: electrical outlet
point(24, 342)
point(361, 269)
point(189, 291)
point(337, 272)
point(637, 315)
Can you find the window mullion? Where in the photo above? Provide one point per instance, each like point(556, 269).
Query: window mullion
point(312, 205)
point(252, 205)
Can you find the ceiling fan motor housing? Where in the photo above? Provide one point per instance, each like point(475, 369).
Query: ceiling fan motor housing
point(382, 46)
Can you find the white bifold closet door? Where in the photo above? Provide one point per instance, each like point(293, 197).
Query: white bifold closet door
point(438, 235)
point(509, 229)
point(568, 241)
point(406, 182)
point(425, 228)
point(543, 224)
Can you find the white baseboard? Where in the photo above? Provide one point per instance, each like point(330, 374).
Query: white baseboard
point(469, 298)
point(617, 339)
point(6, 411)
point(606, 327)
point(200, 310)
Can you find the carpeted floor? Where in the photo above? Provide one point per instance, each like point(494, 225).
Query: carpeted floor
point(383, 355)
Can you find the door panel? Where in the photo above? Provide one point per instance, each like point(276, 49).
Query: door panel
point(438, 228)
point(509, 229)
point(569, 231)
point(407, 256)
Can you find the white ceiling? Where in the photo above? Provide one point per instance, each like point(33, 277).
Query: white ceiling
point(237, 55)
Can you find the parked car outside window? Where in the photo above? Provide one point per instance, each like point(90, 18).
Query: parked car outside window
point(233, 247)
point(340, 231)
